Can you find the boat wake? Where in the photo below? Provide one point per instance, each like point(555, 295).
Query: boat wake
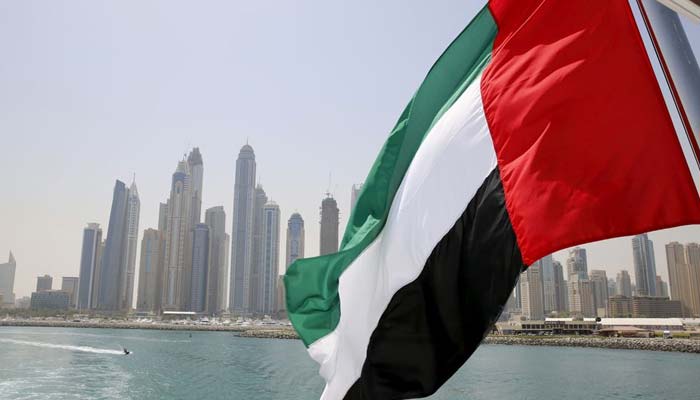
point(84, 349)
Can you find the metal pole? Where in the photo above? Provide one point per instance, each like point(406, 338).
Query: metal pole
point(678, 62)
point(691, 8)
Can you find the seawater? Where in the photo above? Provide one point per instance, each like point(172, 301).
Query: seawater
point(57, 363)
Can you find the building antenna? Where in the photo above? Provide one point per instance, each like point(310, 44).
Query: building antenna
point(328, 189)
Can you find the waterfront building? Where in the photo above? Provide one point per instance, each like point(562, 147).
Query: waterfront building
point(50, 300)
point(70, 285)
point(89, 263)
point(599, 287)
point(295, 239)
point(577, 263)
point(644, 265)
point(7, 281)
point(354, 194)
point(23, 302)
point(581, 296)
point(643, 307)
point(126, 296)
point(267, 290)
point(620, 306)
point(242, 231)
point(176, 264)
point(655, 307)
point(150, 272)
point(44, 283)
point(200, 268)
point(532, 300)
point(623, 284)
point(217, 275)
point(114, 259)
point(330, 219)
point(256, 263)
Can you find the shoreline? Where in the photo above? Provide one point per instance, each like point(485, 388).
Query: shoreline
point(649, 344)
point(689, 346)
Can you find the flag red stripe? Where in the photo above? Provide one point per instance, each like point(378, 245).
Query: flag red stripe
point(585, 144)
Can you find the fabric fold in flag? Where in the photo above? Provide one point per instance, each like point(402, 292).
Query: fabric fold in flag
point(542, 126)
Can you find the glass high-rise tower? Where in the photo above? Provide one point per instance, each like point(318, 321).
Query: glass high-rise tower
point(175, 294)
point(330, 220)
point(92, 237)
point(114, 259)
point(644, 265)
point(242, 231)
point(217, 277)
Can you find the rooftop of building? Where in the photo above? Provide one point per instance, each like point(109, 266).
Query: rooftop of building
point(195, 157)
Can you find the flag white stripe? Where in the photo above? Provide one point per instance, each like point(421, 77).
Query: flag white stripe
point(451, 164)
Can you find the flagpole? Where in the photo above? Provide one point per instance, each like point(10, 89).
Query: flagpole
point(679, 65)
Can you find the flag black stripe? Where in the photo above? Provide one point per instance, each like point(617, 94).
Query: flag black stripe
point(432, 325)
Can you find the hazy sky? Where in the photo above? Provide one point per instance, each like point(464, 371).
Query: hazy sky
point(93, 91)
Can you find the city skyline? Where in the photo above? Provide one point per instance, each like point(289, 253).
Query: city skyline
point(563, 255)
point(105, 104)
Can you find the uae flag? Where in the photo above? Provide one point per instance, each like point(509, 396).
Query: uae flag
point(542, 126)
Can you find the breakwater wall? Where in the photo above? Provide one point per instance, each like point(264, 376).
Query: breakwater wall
point(651, 344)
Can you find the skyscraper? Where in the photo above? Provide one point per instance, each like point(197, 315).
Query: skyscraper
point(7, 281)
point(682, 282)
point(267, 289)
point(126, 296)
point(532, 297)
point(177, 266)
point(295, 250)
point(546, 264)
point(661, 287)
point(692, 256)
point(295, 239)
point(623, 284)
point(644, 265)
point(44, 283)
point(150, 271)
point(242, 231)
point(577, 263)
point(217, 276)
point(560, 288)
point(114, 260)
point(612, 287)
point(599, 288)
point(92, 238)
point(256, 263)
point(97, 276)
point(581, 296)
point(354, 193)
point(194, 160)
point(200, 268)
point(329, 225)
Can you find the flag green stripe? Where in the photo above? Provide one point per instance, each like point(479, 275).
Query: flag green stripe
point(311, 284)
